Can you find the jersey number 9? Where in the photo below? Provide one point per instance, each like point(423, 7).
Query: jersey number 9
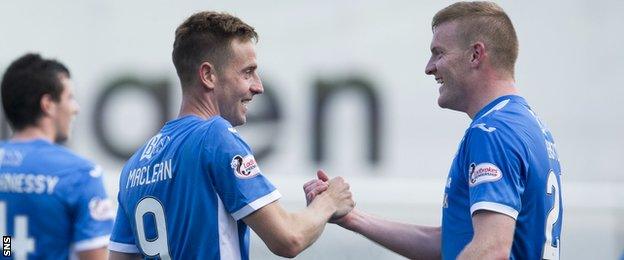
point(160, 245)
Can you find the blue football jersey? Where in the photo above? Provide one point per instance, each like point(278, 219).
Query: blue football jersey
point(184, 193)
point(52, 201)
point(506, 163)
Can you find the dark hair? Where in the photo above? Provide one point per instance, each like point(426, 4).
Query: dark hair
point(486, 22)
point(25, 82)
point(206, 36)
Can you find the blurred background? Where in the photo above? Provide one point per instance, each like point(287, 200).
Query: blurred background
point(346, 92)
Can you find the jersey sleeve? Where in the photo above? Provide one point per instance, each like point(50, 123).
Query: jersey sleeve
point(236, 175)
point(496, 173)
point(93, 213)
point(122, 239)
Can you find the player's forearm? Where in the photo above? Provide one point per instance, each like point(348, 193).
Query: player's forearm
point(308, 224)
point(476, 251)
point(287, 234)
point(122, 256)
point(93, 254)
point(411, 241)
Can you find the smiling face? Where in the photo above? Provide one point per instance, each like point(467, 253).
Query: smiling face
point(238, 82)
point(449, 64)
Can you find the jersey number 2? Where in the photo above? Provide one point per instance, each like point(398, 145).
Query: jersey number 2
point(160, 245)
point(552, 189)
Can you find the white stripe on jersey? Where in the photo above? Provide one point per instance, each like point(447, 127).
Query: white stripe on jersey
point(496, 207)
point(256, 204)
point(91, 243)
point(229, 247)
point(498, 106)
point(123, 248)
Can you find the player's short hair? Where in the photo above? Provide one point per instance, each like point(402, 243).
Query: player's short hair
point(206, 36)
point(25, 82)
point(486, 22)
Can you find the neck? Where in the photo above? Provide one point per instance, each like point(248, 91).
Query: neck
point(488, 92)
point(34, 132)
point(198, 104)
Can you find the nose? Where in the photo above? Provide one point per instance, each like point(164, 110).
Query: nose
point(256, 86)
point(430, 69)
point(76, 107)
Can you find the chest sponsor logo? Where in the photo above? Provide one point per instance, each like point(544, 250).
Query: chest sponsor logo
point(245, 167)
point(483, 172)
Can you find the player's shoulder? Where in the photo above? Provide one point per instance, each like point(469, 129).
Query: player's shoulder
point(505, 115)
point(223, 137)
point(219, 125)
point(65, 160)
point(199, 126)
point(74, 172)
point(220, 130)
point(505, 122)
point(68, 158)
point(41, 156)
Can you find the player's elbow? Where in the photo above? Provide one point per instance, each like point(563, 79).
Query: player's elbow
point(285, 252)
point(288, 246)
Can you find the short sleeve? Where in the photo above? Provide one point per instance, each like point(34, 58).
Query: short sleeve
point(495, 171)
point(93, 213)
point(236, 175)
point(122, 239)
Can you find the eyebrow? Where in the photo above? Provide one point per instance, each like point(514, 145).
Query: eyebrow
point(250, 67)
point(435, 49)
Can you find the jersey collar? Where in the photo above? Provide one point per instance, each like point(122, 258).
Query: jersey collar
point(497, 104)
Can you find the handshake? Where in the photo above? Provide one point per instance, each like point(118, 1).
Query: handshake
point(336, 191)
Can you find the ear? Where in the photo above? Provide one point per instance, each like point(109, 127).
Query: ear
point(207, 75)
point(477, 54)
point(48, 106)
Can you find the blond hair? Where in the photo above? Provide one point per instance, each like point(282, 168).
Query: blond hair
point(485, 22)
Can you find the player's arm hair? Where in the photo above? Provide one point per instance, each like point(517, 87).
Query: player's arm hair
point(114, 255)
point(288, 234)
point(95, 254)
point(411, 241)
point(493, 236)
